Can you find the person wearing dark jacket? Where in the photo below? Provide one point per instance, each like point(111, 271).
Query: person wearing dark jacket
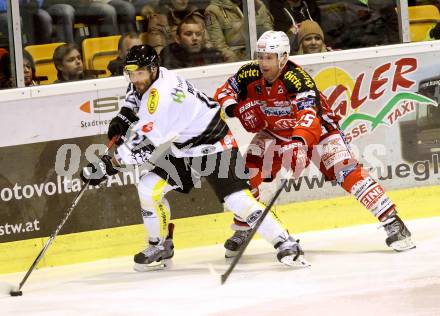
point(69, 64)
point(288, 15)
point(127, 41)
point(190, 48)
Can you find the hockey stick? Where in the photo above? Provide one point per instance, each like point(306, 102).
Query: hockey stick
point(225, 276)
point(18, 292)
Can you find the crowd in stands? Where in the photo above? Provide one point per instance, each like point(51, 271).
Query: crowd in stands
point(188, 33)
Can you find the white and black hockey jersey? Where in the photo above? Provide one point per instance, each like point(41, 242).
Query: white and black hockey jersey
point(173, 109)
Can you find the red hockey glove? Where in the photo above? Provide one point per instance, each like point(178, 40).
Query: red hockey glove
point(295, 154)
point(250, 115)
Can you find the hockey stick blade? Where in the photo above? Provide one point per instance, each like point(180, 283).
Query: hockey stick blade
point(18, 292)
point(225, 276)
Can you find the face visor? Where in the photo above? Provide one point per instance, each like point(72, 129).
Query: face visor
point(134, 73)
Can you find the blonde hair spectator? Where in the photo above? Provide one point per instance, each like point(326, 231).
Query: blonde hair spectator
point(311, 38)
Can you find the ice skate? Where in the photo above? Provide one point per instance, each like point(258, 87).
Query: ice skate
point(233, 244)
point(156, 256)
point(399, 237)
point(290, 253)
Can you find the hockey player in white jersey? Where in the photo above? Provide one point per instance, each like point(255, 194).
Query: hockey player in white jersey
point(161, 107)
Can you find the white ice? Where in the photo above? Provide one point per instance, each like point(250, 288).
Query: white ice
point(352, 273)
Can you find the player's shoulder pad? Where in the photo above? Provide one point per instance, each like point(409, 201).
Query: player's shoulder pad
point(248, 73)
point(297, 79)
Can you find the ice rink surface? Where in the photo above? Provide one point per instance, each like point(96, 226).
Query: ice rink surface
point(352, 273)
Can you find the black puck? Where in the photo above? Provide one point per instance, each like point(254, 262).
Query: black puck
point(16, 293)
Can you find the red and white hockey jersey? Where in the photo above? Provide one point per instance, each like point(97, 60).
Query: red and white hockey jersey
point(293, 106)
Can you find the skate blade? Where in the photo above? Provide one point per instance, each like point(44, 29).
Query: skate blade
point(155, 266)
point(403, 245)
point(300, 262)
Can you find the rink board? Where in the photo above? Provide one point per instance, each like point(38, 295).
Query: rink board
point(376, 90)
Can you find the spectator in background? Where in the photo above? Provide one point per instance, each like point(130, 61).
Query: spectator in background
point(288, 15)
point(311, 38)
point(3, 19)
point(227, 28)
point(176, 11)
point(36, 22)
point(382, 26)
point(157, 35)
point(173, 11)
point(28, 69)
point(69, 64)
point(5, 70)
point(63, 16)
point(434, 33)
point(190, 48)
point(99, 16)
point(150, 5)
point(126, 15)
point(127, 41)
point(423, 2)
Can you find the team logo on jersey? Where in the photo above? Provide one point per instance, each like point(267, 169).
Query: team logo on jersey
point(147, 127)
point(280, 90)
point(178, 95)
point(153, 101)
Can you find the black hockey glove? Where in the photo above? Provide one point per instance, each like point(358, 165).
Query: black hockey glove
point(120, 123)
point(98, 171)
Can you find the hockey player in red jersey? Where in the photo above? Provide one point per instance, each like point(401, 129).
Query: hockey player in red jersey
point(161, 107)
point(279, 101)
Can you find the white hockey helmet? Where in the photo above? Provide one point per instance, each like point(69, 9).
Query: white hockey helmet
point(274, 42)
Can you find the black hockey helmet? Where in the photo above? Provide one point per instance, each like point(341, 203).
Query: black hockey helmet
point(141, 56)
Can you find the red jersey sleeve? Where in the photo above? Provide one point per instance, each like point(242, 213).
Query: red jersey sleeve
point(227, 94)
point(308, 127)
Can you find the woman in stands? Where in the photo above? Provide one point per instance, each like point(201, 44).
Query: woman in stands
point(5, 70)
point(311, 38)
point(28, 69)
